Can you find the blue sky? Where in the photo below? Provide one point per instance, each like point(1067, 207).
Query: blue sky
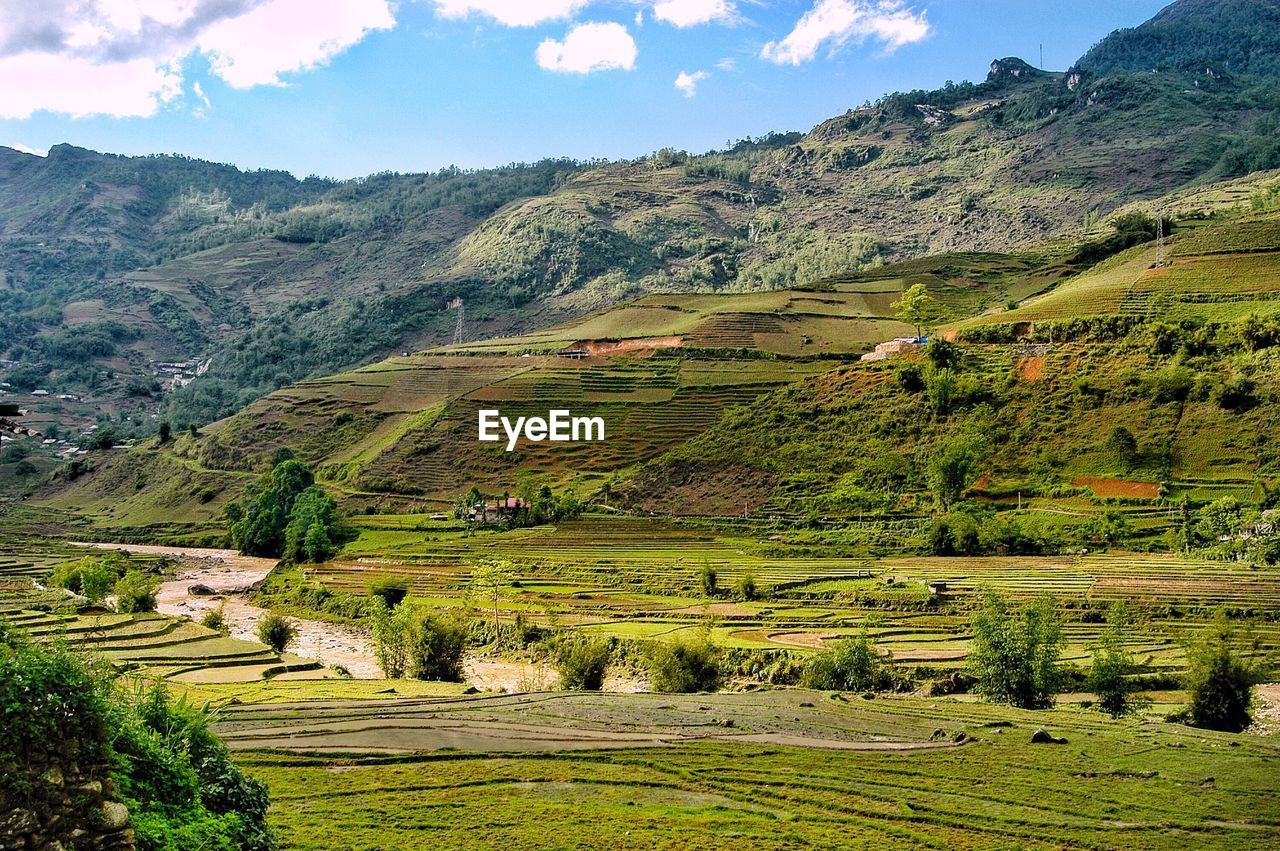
point(344, 88)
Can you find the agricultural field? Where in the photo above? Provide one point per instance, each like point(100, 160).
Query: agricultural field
point(779, 769)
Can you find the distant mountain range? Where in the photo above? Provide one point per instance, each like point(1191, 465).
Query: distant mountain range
point(244, 282)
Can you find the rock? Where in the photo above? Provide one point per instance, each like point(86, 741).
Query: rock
point(114, 815)
point(1044, 737)
point(92, 787)
point(200, 590)
point(53, 776)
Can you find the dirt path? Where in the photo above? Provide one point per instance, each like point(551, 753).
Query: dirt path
point(231, 574)
point(1267, 717)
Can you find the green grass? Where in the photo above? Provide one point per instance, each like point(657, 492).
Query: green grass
point(1115, 784)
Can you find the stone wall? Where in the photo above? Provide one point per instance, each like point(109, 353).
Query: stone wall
point(67, 806)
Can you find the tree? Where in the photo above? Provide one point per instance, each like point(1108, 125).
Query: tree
point(916, 307)
point(745, 589)
point(489, 581)
point(390, 589)
point(285, 514)
point(1122, 447)
point(1219, 680)
point(166, 431)
point(275, 632)
point(136, 592)
point(707, 581)
point(434, 644)
point(953, 468)
point(1015, 653)
point(388, 638)
point(684, 665)
point(943, 389)
point(582, 662)
point(96, 579)
point(850, 665)
point(1112, 665)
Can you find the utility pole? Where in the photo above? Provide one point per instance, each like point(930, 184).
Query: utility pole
point(1159, 239)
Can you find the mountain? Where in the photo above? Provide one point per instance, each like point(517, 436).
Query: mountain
point(1225, 36)
point(245, 282)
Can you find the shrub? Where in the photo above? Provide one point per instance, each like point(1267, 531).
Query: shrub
point(707, 581)
point(683, 666)
point(850, 665)
point(1122, 448)
point(214, 619)
point(1015, 654)
point(390, 589)
point(275, 632)
point(745, 589)
point(434, 645)
point(1109, 678)
point(136, 592)
point(1220, 681)
point(92, 576)
point(582, 662)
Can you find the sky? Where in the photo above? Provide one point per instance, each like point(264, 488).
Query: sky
point(345, 88)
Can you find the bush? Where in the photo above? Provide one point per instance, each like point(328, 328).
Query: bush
point(214, 619)
point(707, 581)
point(275, 632)
point(91, 577)
point(745, 589)
point(850, 665)
point(136, 592)
point(582, 662)
point(684, 666)
point(434, 645)
point(1220, 681)
point(1109, 678)
point(390, 589)
point(1015, 654)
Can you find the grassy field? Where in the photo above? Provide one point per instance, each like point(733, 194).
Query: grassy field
point(1114, 784)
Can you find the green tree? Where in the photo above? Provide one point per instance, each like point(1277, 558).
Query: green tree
point(1219, 679)
point(916, 307)
point(1109, 678)
point(489, 581)
point(276, 632)
point(707, 581)
point(850, 665)
point(1122, 448)
point(953, 467)
point(582, 662)
point(745, 588)
point(388, 632)
point(166, 431)
point(434, 644)
point(136, 592)
point(1015, 653)
point(684, 665)
point(96, 581)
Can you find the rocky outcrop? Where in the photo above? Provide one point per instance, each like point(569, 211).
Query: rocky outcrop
point(63, 805)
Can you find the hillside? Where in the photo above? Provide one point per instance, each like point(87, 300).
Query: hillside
point(244, 282)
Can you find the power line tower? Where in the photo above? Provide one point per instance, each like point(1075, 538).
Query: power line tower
point(456, 304)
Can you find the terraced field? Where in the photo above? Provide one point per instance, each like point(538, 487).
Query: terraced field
point(635, 578)
point(743, 771)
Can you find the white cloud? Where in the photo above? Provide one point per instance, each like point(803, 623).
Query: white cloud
point(37, 152)
point(512, 13)
point(688, 13)
point(727, 64)
point(589, 47)
point(280, 36)
point(203, 107)
point(838, 21)
point(688, 83)
point(31, 81)
point(123, 58)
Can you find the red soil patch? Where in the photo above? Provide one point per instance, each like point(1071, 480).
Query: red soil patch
point(597, 348)
point(1104, 487)
point(1031, 368)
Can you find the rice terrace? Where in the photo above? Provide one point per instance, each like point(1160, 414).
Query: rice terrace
point(909, 482)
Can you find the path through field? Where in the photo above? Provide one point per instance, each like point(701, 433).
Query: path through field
point(231, 575)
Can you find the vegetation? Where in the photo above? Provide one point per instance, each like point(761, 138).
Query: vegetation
point(850, 665)
point(276, 632)
point(684, 665)
point(1110, 677)
point(413, 641)
point(1015, 653)
point(284, 514)
point(136, 592)
point(178, 781)
point(1220, 681)
point(582, 662)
